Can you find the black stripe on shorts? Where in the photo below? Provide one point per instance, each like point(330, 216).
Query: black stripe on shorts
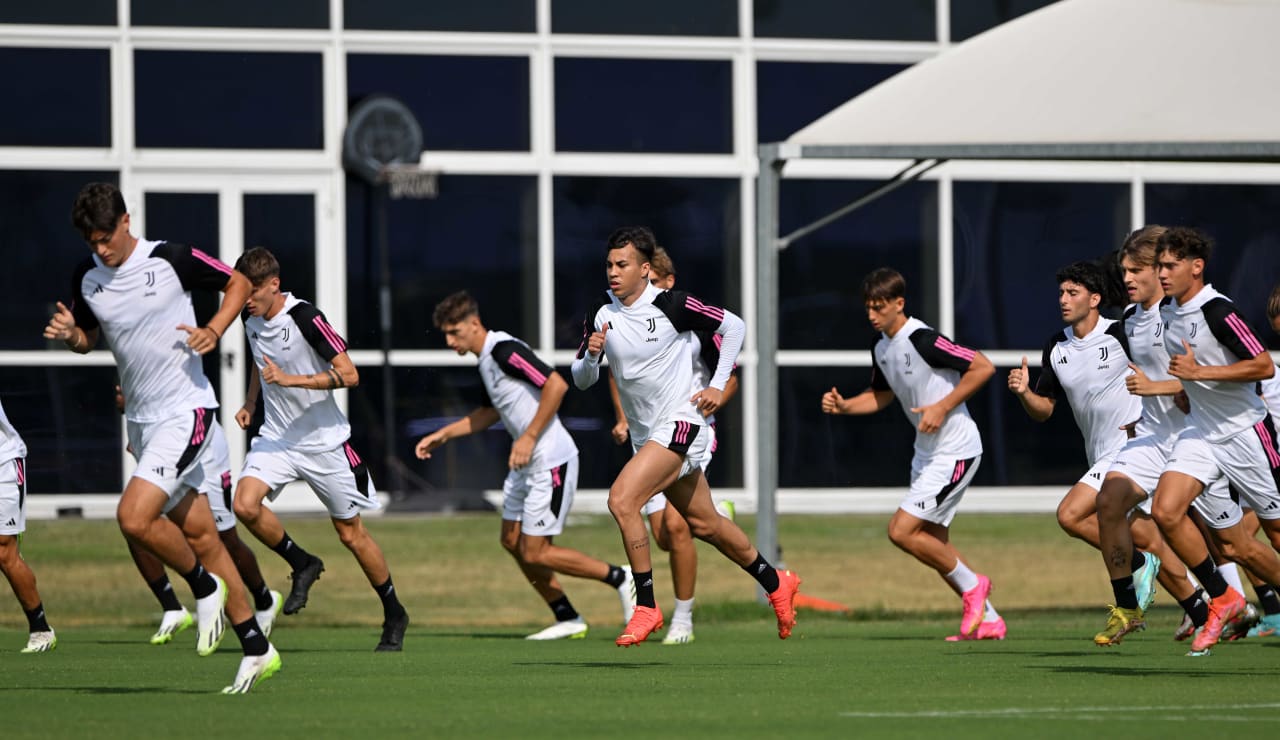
point(199, 435)
point(557, 488)
point(358, 468)
point(683, 436)
point(958, 474)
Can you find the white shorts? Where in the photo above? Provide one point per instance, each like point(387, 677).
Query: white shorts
point(175, 454)
point(13, 496)
point(659, 500)
point(1093, 477)
point(217, 482)
point(338, 476)
point(693, 442)
point(1193, 455)
point(540, 499)
point(937, 485)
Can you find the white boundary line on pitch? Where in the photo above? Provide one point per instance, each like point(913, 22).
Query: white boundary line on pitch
point(1178, 713)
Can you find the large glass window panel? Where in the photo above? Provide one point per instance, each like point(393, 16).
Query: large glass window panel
point(972, 17)
point(656, 17)
point(479, 235)
point(63, 12)
point(232, 13)
point(42, 113)
point(68, 418)
point(237, 100)
point(791, 95)
point(820, 275)
point(643, 105)
point(285, 223)
point(461, 102)
point(695, 219)
point(41, 250)
point(1241, 219)
point(510, 16)
point(1010, 240)
point(907, 20)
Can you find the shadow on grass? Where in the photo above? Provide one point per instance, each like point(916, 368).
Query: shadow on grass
point(109, 690)
point(594, 664)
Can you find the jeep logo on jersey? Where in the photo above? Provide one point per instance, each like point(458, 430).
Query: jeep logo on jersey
point(151, 278)
point(1102, 354)
point(652, 324)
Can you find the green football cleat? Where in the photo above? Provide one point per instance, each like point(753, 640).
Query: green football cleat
point(1120, 622)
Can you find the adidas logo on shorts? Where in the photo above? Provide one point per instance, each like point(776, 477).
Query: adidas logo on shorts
point(11, 523)
point(1224, 516)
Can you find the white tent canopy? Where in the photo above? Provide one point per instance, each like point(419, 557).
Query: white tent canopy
point(1080, 79)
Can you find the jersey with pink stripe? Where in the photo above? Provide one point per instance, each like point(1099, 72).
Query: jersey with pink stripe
point(1218, 335)
point(513, 377)
point(138, 307)
point(11, 445)
point(920, 367)
point(300, 340)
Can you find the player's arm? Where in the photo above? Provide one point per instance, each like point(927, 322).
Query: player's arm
point(586, 366)
point(341, 374)
point(480, 419)
point(76, 327)
point(1234, 333)
point(516, 360)
point(940, 352)
point(1040, 402)
point(620, 427)
point(199, 271)
point(867, 402)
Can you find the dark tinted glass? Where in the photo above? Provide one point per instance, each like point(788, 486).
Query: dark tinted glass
point(69, 12)
point(649, 105)
point(41, 250)
point(48, 116)
point(286, 225)
point(657, 17)
point(1010, 240)
point(697, 220)
point(909, 20)
point(461, 102)
point(972, 17)
point(791, 95)
point(68, 418)
point(1245, 265)
point(820, 275)
point(232, 13)
point(237, 100)
point(512, 16)
point(479, 235)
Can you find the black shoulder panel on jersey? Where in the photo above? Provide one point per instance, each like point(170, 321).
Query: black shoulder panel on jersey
point(1166, 301)
point(79, 307)
point(878, 381)
point(1129, 312)
point(1231, 330)
point(687, 313)
point(322, 337)
point(1116, 331)
point(518, 361)
point(1048, 384)
point(589, 323)
point(941, 352)
point(196, 270)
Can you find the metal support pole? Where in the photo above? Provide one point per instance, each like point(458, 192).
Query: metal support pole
point(766, 332)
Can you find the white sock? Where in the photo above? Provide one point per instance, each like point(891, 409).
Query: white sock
point(683, 611)
point(1231, 574)
point(962, 578)
point(991, 614)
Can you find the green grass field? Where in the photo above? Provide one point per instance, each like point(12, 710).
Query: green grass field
point(466, 671)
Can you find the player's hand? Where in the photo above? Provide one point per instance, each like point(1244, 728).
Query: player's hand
point(1184, 367)
point(708, 401)
point(1019, 379)
point(1182, 402)
point(244, 417)
point(62, 325)
point(1131, 429)
point(429, 443)
point(271, 373)
point(1138, 383)
point(119, 399)
point(620, 432)
point(595, 343)
point(931, 418)
point(521, 452)
point(832, 402)
point(202, 339)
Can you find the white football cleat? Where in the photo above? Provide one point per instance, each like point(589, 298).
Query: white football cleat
point(267, 617)
point(727, 509)
point(627, 594)
point(41, 642)
point(210, 626)
point(569, 629)
point(254, 669)
point(172, 622)
point(679, 633)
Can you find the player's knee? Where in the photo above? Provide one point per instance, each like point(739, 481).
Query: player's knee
point(1233, 551)
point(8, 551)
point(703, 529)
point(618, 504)
point(133, 527)
point(1166, 517)
point(246, 509)
point(350, 535)
point(510, 542)
point(900, 536)
point(1111, 504)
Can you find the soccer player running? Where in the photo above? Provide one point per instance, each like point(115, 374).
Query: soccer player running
point(524, 393)
point(1218, 358)
point(670, 530)
point(13, 522)
point(299, 360)
point(933, 377)
point(642, 332)
point(136, 294)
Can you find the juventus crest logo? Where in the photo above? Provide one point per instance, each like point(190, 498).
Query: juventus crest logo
point(652, 324)
point(1102, 354)
point(151, 278)
point(906, 358)
point(1159, 328)
point(1192, 333)
point(285, 334)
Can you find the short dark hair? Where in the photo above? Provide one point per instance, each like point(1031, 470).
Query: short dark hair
point(637, 236)
point(1186, 243)
point(455, 309)
point(1095, 279)
point(661, 263)
point(259, 265)
point(99, 207)
point(883, 284)
point(1273, 304)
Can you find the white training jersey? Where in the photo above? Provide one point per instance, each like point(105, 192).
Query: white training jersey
point(11, 444)
point(1220, 336)
point(651, 356)
point(705, 347)
point(1144, 330)
point(513, 377)
point(138, 307)
point(1090, 372)
point(301, 342)
point(920, 367)
point(1269, 389)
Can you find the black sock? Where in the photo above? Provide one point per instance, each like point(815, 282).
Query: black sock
point(1137, 561)
point(644, 589)
point(35, 619)
point(200, 581)
point(261, 597)
point(1210, 577)
point(1197, 607)
point(251, 637)
point(563, 610)
point(1126, 596)
point(391, 606)
point(764, 573)
point(616, 577)
point(164, 594)
point(1268, 599)
point(290, 551)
